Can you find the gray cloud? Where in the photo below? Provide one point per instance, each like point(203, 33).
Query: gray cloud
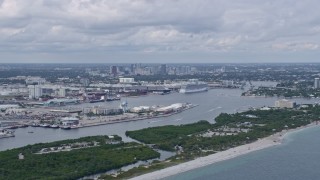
point(180, 30)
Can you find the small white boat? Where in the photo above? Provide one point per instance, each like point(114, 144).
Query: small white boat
point(44, 125)
point(4, 133)
point(54, 126)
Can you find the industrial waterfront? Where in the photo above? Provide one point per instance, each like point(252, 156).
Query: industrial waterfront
point(211, 104)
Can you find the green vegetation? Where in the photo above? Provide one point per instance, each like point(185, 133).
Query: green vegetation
point(286, 89)
point(101, 139)
point(72, 164)
point(190, 140)
point(167, 137)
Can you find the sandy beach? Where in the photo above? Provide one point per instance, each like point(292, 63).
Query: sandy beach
point(266, 142)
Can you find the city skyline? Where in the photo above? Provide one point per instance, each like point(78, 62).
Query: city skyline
point(166, 31)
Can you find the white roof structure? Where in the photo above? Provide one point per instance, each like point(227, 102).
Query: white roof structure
point(171, 107)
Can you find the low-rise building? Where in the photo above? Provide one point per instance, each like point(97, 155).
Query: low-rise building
point(171, 108)
point(284, 103)
point(126, 80)
point(102, 111)
point(70, 121)
point(35, 80)
point(140, 109)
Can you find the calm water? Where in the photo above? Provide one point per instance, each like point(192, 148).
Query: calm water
point(211, 104)
point(297, 158)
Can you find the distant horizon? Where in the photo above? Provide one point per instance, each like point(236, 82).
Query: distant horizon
point(166, 31)
point(159, 63)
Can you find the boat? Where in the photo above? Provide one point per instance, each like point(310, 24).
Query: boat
point(23, 126)
point(165, 93)
point(65, 127)
point(74, 127)
point(35, 125)
point(5, 133)
point(96, 100)
point(12, 127)
point(54, 126)
point(30, 131)
point(194, 86)
point(45, 125)
point(113, 98)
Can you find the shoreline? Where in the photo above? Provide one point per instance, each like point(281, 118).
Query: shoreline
point(121, 120)
point(273, 140)
point(136, 118)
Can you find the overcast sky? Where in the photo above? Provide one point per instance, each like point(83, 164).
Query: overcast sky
point(177, 31)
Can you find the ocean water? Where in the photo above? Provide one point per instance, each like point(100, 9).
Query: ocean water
point(298, 158)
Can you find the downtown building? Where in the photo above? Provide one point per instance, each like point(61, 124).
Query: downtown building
point(316, 83)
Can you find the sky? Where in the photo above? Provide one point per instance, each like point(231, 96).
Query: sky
point(159, 31)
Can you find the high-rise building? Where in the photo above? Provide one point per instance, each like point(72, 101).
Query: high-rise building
point(163, 69)
point(132, 68)
point(35, 91)
point(114, 70)
point(62, 92)
point(316, 83)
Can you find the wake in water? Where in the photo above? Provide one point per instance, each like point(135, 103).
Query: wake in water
point(179, 119)
point(215, 109)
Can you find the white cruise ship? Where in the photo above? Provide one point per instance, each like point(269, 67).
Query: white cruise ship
point(194, 86)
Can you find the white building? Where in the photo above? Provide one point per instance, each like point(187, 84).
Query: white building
point(284, 103)
point(34, 91)
point(20, 156)
point(70, 121)
point(172, 107)
point(102, 111)
point(316, 83)
point(126, 80)
point(62, 92)
point(140, 109)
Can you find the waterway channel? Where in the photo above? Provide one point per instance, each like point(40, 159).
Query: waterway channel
point(211, 104)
